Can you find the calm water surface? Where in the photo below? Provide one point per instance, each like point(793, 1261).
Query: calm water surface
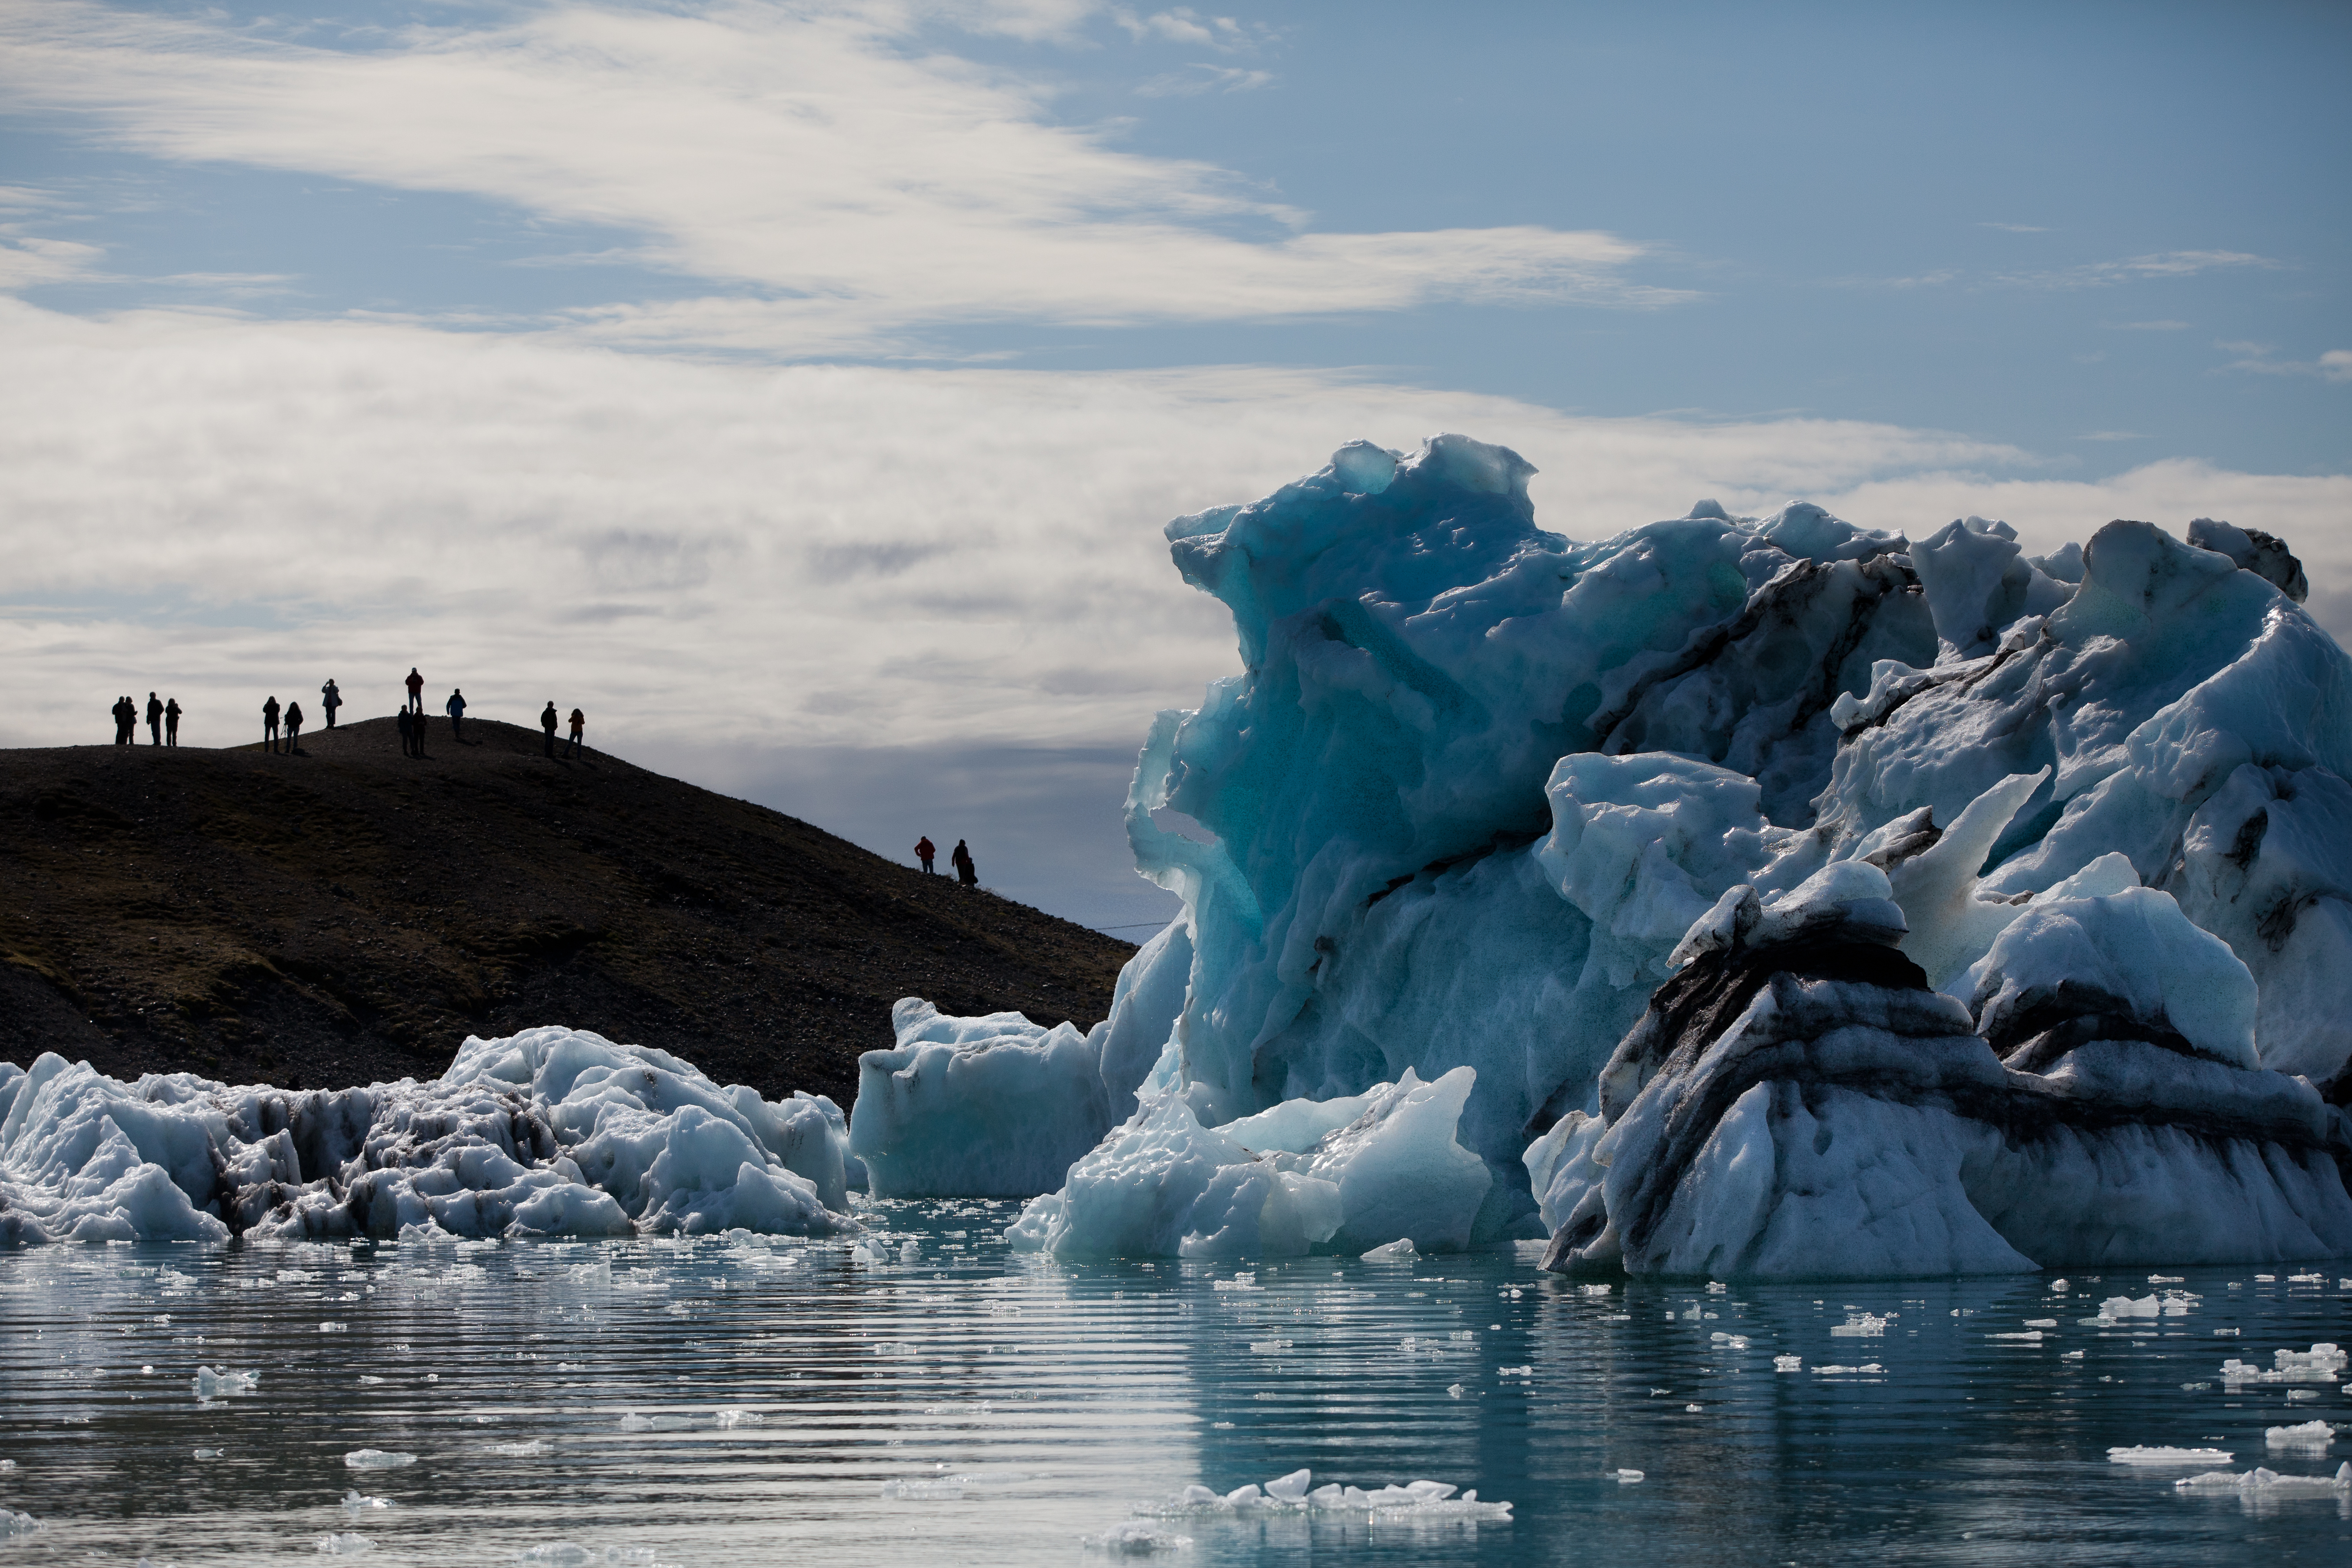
point(716, 1402)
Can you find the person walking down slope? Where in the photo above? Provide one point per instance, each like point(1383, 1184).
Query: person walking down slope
point(330, 698)
point(579, 722)
point(269, 724)
point(293, 729)
point(456, 708)
point(154, 719)
point(171, 722)
point(966, 872)
point(924, 850)
point(547, 722)
point(415, 690)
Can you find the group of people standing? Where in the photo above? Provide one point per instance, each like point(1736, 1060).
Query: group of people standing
point(284, 723)
point(966, 872)
point(163, 721)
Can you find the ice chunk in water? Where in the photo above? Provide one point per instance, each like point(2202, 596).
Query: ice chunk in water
point(345, 1543)
point(1136, 1538)
point(211, 1385)
point(14, 1526)
point(926, 1489)
point(534, 1449)
point(2261, 1482)
point(1399, 1250)
point(2315, 1436)
point(1788, 1363)
point(1860, 1325)
point(1291, 1488)
point(2147, 1306)
point(377, 1459)
point(1625, 1478)
point(359, 1501)
point(2154, 1455)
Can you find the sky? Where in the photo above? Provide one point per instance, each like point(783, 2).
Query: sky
point(802, 389)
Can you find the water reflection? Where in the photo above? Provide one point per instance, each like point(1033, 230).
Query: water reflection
point(718, 1403)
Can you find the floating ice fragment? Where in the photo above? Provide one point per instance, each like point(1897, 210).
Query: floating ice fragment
point(2164, 1279)
point(1860, 1325)
point(2271, 1484)
point(2303, 1393)
point(535, 1448)
point(1268, 1347)
point(2306, 1279)
point(2032, 1336)
point(377, 1459)
point(2040, 1322)
point(1526, 1371)
point(2159, 1455)
point(345, 1544)
point(2315, 1436)
point(211, 1385)
point(1839, 1371)
point(1690, 1409)
point(1623, 1478)
point(1593, 1289)
point(360, 1502)
point(1453, 1391)
point(1391, 1251)
point(14, 1526)
point(2059, 1285)
point(1136, 1538)
point(201, 1454)
point(2070, 1355)
point(728, 1420)
point(2147, 1306)
point(1291, 1488)
point(926, 1489)
point(1787, 1363)
point(336, 1329)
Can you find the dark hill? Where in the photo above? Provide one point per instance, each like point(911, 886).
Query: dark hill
point(353, 914)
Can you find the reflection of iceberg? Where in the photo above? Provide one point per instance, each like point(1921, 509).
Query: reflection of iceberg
point(1999, 895)
point(551, 1132)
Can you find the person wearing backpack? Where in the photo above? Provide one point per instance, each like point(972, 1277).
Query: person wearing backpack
point(579, 722)
point(456, 708)
point(331, 698)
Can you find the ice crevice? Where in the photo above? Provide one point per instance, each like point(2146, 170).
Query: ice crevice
point(1788, 897)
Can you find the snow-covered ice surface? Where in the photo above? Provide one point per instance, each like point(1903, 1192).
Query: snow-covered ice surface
point(1803, 900)
point(722, 1402)
point(551, 1132)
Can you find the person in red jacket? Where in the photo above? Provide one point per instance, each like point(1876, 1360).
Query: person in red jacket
point(924, 850)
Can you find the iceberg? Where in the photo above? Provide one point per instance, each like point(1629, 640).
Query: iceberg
point(552, 1132)
point(1800, 899)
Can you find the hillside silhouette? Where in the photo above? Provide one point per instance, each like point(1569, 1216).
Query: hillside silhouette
point(353, 914)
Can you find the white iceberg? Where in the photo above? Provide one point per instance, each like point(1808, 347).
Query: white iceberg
point(1390, 1171)
point(552, 1132)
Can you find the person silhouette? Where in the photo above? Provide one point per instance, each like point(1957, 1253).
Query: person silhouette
point(924, 850)
point(456, 708)
point(415, 690)
point(125, 716)
point(406, 722)
point(154, 719)
point(171, 722)
point(547, 722)
point(293, 729)
point(579, 722)
point(966, 872)
point(269, 724)
point(330, 698)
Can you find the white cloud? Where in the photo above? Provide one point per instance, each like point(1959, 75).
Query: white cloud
point(2090, 275)
point(827, 555)
point(31, 261)
point(1200, 79)
point(2336, 364)
point(838, 188)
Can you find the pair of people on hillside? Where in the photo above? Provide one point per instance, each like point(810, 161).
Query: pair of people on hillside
point(966, 872)
point(269, 715)
point(410, 722)
point(548, 720)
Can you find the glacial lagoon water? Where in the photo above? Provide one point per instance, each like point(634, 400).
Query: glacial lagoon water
point(768, 1400)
